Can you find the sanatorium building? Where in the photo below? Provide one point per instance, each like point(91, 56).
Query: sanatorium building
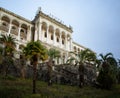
point(48, 30)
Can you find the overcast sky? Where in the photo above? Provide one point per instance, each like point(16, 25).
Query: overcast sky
point(96, 23)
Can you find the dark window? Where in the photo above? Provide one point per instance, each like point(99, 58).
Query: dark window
point(63, 42)
point(45, 34)
point(22, 30)
point(4, 24)
point(57, 39)
point(14, 28)
point(51, 37)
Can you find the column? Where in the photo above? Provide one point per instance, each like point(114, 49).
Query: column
point(47, 39)
point(0, 19)
point(10, 26)
point(66, 56)
point(35, 34)
point(40, 33)
point(29, 33)
point(0, 22)
point(66, 45)
point(71, 48)
point(54, 38)
point(60, 60)
point(19, 28)
point(60, 41)
point(17, 46)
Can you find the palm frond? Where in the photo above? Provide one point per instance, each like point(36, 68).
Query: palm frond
point(70, 60)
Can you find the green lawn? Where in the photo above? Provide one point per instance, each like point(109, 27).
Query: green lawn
point(22, 88)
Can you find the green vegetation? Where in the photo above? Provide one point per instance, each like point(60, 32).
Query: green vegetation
point(82, 57)
point(34, 51)
point(9, 44)
point(53, 54)
point(108, 71)
point(11, 87)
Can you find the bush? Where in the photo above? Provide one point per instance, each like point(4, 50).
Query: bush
point(105, 80)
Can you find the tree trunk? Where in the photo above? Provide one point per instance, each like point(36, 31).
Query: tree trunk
point(34, 77)
point(22, 66)
point(35, 61)
point(23, 73)
point(50, 64)
point(81, 75)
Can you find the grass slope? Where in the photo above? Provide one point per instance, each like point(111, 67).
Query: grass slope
point(22, 88)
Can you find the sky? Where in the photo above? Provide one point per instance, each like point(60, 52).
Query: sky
point(95, 23)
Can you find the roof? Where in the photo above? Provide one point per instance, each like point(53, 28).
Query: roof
point(17, 16)
point(40, 13)
point(79, 45)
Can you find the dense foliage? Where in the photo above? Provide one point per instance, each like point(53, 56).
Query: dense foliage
point(108, 71)
point(35, 51)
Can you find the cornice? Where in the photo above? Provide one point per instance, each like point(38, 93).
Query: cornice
point(41, 14)
point(15, 15)
point(79, 45)
point(83, 46)
point(55, 47)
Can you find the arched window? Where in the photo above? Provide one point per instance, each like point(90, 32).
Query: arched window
point(63, 42)
point(51, 37)
point(22, 30)
point(45, 35)
point(14, 28)
point(4, 24)
point(57, 39)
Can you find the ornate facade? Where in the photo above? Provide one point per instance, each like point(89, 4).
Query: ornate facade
point(51, 33)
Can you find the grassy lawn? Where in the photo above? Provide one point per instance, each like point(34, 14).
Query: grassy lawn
point(22, 88)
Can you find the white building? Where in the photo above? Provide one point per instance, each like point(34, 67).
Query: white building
point(51, 33)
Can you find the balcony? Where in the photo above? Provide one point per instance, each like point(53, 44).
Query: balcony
point(22, 35)
point(15, 32)
point(4, 28)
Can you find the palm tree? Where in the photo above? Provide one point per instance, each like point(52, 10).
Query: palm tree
point(108, 62)
point(9, 46)
point(1, 58)
point(9, 43)
point(34, 51)
point(52, 53)
point(83, 57)
point(22, 62)
point(107, 70)
point(1, 50)
point(118, 71)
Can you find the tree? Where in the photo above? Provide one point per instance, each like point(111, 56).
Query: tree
point(107, 71)
point(34, 51)
point(9, 44)
point(52, 53)
point(22, 62)
point(83, 57)
point(1, 51)
point(118, 71)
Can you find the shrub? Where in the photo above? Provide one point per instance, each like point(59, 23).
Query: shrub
point(105, 80)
